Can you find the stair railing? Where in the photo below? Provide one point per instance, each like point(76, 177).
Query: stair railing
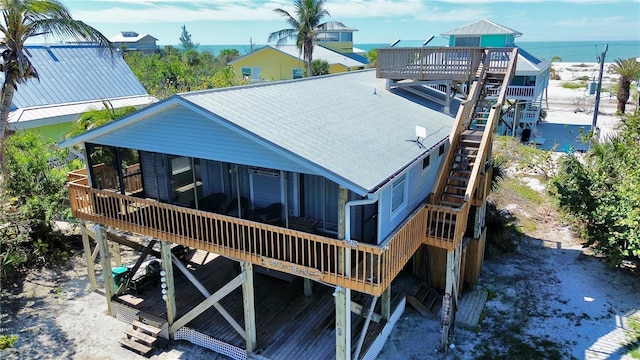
point(492, 121)
point(463, 118)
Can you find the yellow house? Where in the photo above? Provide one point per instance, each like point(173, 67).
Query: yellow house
point(286, 62)
point(333, 44)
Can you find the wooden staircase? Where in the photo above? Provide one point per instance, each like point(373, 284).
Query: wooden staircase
point(140, 337)
point(424, 300)
point(470, 152)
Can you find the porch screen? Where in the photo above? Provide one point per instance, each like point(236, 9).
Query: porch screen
point(320, 201)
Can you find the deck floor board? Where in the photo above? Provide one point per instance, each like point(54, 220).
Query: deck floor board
point(288, 324)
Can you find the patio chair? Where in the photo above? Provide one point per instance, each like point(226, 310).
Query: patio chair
point(271, 214)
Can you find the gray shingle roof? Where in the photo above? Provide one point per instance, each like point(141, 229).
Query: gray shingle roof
point(347, 123)
point(345, 127)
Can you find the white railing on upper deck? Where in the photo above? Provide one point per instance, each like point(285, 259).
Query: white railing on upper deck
point(424, 62)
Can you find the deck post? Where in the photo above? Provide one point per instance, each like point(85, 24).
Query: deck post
point(105, 261)
point(418, 263)
point(343, 295)
point(385, 305)
point(249, 307)
point(450, 299)
point(447, 100)
point(115, 247)
point(342, 202)
point(308, 287)
point(88, 255)
point(167, 266)
point(343, 323)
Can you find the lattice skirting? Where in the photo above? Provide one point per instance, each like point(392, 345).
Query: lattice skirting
point(377, 345)
point(208, 342)
point(128, 314)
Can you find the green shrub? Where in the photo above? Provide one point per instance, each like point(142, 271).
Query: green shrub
point(502, 231)
point(35, 196)
point(600, 194)
point(7, 341)
point(572, 85)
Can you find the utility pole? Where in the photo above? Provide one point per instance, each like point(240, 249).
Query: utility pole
point(597, 105)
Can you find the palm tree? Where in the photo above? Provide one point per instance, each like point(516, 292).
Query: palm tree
point(25, 19)
point(308, 13)
point(95, 118)
point(629, 70)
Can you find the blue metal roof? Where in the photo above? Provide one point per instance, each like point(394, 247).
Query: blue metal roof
point(75, 73)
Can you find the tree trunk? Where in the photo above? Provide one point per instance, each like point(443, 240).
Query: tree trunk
point(623, 94)
point(7, 98)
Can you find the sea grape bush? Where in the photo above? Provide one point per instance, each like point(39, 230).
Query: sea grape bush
point(600, 192)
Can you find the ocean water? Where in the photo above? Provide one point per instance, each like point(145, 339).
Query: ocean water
point(568, 51)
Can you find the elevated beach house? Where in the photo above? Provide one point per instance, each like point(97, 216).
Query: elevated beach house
point(295, 218)
point(334, 44)
point(525, 92)
point(132, 41)
point(73, 79)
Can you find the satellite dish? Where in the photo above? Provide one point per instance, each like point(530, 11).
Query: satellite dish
point(421, 132)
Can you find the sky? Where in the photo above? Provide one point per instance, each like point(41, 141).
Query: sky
point(220, 22)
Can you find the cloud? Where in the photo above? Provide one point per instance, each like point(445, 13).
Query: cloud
point(180, 11)
point(153, 11)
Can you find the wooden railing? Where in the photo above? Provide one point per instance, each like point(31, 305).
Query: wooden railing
point(508, 70)
point(445, 226)
point(428, 63)
point(299, 253)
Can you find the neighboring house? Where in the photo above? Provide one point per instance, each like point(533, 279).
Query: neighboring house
point(526, 90)
point(132, 41)
point(73, 79)
point(334, 44)
point(286, 62)
point(310, 209)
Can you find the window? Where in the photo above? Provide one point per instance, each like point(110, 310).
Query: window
point(246, 72)
point(399, 194)
point(346, 36)
point(441, 150)
point(426, 161)
point(467, 41)
point(297, 73)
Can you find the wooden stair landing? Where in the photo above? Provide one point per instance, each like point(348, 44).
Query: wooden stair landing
point(424, 300)
point(470, 308)
point(140, 338)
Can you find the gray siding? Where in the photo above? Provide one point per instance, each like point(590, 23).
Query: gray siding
point(183, 132)
point(420, 184)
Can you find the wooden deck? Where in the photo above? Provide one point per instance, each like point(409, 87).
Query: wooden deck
point(295, 252)
point(289, 325)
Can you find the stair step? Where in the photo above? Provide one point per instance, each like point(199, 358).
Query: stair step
point(150, 329)
point(470, 141)
point(135, 346)
point(458, 178)
point(450, 203)
point(457, 187)
point(453, 195)
point(472, 133)
point(144, 338)
point(460, 171)
point(423, 300)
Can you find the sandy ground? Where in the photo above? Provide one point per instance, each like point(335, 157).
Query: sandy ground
point(548, 293)
point(570, 112)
